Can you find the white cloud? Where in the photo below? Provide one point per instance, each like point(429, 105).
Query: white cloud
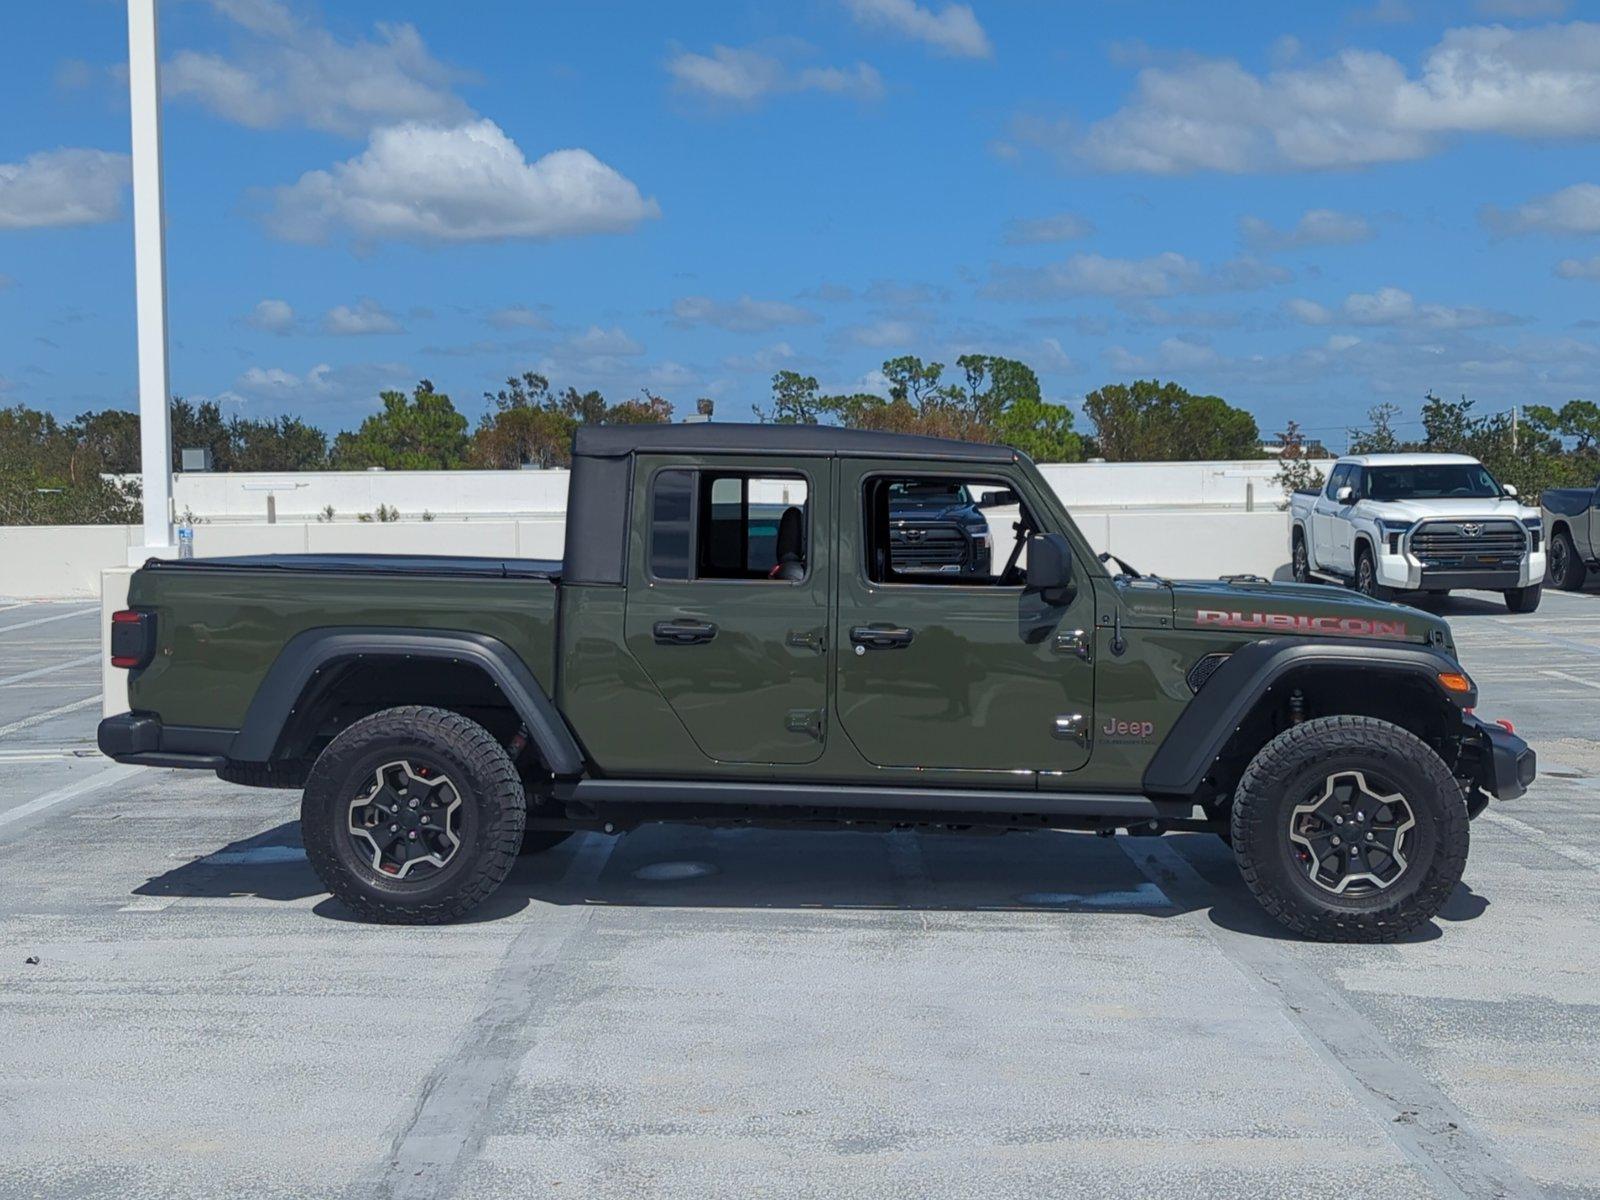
point(767, 360)
point(1173, 354)
point(953, 30)
point(1574, 209)
point(272, 316)
point(744, 315)
point(1579, 268)
point(596, 342)
point(1063, 227)
point(323, 384)
point(1316, 227)
point(880, 335)
point(1396, 308)
point(62, 187)
point(517, 316)
point(468, 182)
point(1355, 108)
point(367, 317)
point(745, 76)
point(1129, 278)
point(289, 71)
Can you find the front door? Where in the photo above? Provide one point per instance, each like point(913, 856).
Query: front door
point(945, 666)
point(728, 590)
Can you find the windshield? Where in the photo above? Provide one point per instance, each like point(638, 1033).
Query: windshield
point(1436, 481)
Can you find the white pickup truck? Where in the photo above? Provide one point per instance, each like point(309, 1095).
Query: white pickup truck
point(1393, 523)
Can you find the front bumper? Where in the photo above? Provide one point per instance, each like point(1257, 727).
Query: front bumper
point(1501, 764)
point(1405, 572)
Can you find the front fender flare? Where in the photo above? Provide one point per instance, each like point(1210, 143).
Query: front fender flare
point(1202, 730)
point(309, 652)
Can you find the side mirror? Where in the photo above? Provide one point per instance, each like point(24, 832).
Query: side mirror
point(1510, 489)
point(1050, 567)
point(1345, 495)
point(997, 499)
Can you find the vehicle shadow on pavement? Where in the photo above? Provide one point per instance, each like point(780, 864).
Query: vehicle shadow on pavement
point(675, 866)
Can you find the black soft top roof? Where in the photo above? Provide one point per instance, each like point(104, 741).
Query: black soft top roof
point(619, 441)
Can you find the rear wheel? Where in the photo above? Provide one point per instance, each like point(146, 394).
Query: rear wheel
point(1524, 600)
point(1349, 829)
point(1367, 577)
point(1565, 568)
point(413, 815)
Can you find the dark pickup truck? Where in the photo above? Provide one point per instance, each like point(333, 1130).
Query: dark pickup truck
point(695, 659)
point(1573, 522)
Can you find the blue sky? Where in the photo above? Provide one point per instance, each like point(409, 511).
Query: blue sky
point(1306, 209)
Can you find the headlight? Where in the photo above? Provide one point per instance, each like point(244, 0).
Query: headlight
point(1395, 526)
point(981, 536)
point(1534, 523)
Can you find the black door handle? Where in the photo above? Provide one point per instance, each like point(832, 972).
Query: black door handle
point(881, 637)
point(683, 633)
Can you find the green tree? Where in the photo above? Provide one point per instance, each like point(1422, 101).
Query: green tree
point(525, 426)
point(1295, 473)
point(423, 432)
point(1151, 421)
point(1003, 398)
point(284, 444)
point(1578, 420)
point(648, 409)
point(1379, 436)
point(200, 426)
point(107, 441)
point(795, 400)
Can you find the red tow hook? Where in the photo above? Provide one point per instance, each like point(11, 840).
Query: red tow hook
point(1506, 725)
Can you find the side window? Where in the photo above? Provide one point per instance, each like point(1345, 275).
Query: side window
point(944, 530)
point(1337, 479)
point(722, 525)
point(1357, 481)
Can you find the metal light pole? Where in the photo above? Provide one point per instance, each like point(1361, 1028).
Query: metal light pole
point(150, 279)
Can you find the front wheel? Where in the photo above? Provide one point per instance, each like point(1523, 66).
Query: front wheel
point(1566, 569)
point(1367, 577)
point(1301, 559)
point(413, 815)
point(1523, 600)
point(1349, 829)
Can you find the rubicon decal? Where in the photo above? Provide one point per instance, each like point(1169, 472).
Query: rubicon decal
point(1302, 623)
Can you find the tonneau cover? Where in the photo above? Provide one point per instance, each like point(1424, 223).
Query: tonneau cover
point(371, 564)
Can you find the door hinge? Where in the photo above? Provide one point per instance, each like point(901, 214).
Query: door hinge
point(807, 721)
point(1074, 641)
point(1072, 727)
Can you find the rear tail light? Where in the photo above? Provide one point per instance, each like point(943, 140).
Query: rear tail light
point(133, 638)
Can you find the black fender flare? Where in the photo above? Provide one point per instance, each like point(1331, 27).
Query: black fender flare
point(1202, 730)
point(312, 651)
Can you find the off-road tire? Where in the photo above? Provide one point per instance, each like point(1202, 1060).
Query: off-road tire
point(1366, 580)
point(494, 811)
point(290, 775)
point(1565, 568)
point(537, 841)
point(1300, 557)
point(1288, 769)
point(1523, 600)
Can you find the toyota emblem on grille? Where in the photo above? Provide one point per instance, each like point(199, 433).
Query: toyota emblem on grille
point(1470, 530)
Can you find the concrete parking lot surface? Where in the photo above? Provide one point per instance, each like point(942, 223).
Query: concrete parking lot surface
point(681, 1012)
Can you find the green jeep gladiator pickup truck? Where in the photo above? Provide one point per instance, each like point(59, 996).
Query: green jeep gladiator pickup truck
point(732, 640)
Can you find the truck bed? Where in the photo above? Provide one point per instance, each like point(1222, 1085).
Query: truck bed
point(222, 622)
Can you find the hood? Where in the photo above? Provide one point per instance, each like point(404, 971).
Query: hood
point(931, 510)
point(1459, 506)
point(1281, 610)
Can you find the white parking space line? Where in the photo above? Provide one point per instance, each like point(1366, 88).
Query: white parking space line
point(39, 718)
point(150, 904)
point(49, 753)
point(1588, 683)
point(1572, 854)
point(82, 787)
point(38, 671)
point(77, 612)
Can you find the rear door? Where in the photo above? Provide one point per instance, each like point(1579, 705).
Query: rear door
point(739, 653)
point(948, 671)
